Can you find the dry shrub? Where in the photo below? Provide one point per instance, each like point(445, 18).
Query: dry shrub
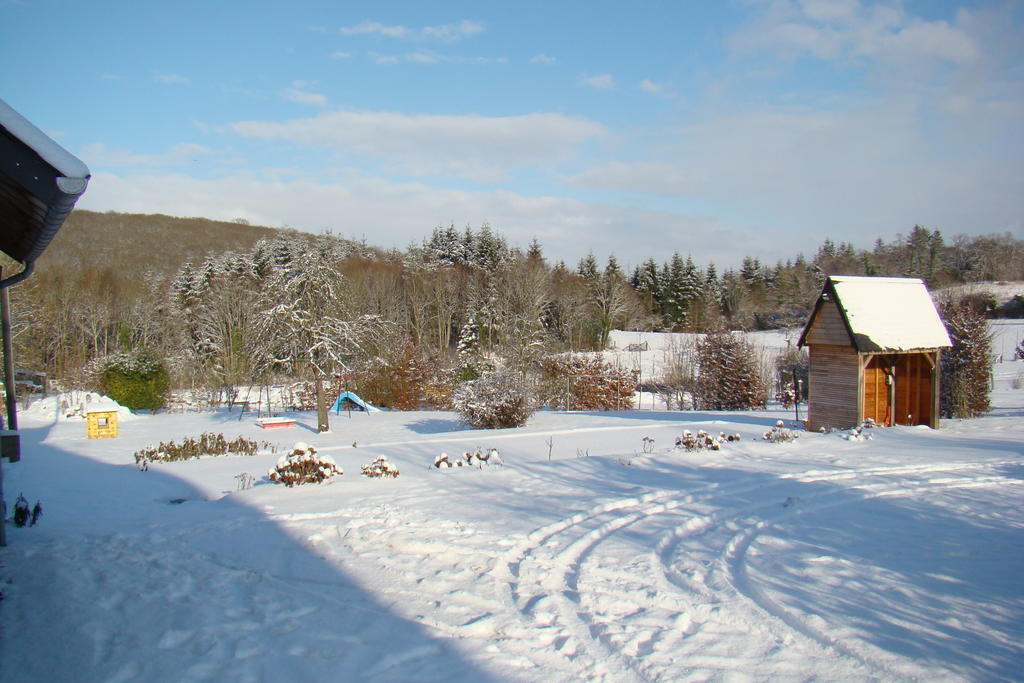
point(408, 379)
point(586, 383)
point(207, 444)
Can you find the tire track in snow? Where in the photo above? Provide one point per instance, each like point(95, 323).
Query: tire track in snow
point(732, 558)
point(559, 550)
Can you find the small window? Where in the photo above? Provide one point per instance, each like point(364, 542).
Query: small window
point(102, 421)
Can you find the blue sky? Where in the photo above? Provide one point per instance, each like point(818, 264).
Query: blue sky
point(716, 129)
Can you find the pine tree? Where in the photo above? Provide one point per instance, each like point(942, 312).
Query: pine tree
point(535, 253)
point(672, 292)
point(308, 328)
point(587, 268)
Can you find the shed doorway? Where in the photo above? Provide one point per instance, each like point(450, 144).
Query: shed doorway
point(897, 389)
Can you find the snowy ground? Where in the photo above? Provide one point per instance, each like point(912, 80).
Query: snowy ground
point(652, 352)
point(894, 558)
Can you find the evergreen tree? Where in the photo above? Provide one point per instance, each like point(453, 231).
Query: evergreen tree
point(967, 367)
point(587, 268)
point(731, 377)
point(535, 253)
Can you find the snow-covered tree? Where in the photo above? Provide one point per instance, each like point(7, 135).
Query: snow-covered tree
point(967, 367)
point(309, 329)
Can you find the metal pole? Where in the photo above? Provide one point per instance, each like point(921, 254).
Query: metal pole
point(5, 322)
point(3, 505)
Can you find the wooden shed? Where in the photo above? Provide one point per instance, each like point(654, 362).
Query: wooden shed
point(101, 422)
point(874, 345)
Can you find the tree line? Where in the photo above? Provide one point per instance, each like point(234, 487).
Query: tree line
point(408, 323)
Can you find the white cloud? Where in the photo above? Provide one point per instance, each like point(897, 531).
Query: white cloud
point(299, 94)
point(849, 174)
point(452, 32)
point(383, 59)
point(397, 214)
point(375, 27)
point(648, 177)
point(649, 86)
point(426, 57)
point(98, 155)
point(171, 79)
point(542, 59)
point(445, 33)
point(423, 58)
point(600, 81)
point(341, 55)
point(471, 146)
point(848, 29)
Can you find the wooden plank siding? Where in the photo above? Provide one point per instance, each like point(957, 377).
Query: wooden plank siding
point(913, 395)
point(833, 377)
point(828, 327)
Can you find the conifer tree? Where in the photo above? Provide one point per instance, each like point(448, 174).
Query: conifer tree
point(967, 367)
point(587, 268)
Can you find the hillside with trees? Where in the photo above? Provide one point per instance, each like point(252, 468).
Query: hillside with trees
point(226, 303)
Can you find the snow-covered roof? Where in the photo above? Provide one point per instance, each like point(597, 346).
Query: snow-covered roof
point(62, 160)
point(40, 182)
point(885, 313)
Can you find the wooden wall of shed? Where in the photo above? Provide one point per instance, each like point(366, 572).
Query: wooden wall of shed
point(828, 327)
point(834, 398)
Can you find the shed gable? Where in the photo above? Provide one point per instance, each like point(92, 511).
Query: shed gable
point(827, 326)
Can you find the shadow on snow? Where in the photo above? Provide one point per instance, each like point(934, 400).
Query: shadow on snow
point(148, 580)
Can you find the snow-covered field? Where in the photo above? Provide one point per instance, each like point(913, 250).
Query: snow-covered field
point(652, 352)
point(894, 558)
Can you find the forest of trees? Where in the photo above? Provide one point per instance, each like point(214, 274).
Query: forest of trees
point(227, 303)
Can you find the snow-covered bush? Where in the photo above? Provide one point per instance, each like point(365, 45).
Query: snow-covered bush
point(701, 441)
point(443, 462)
point(477, 458)
point(495, 401)
point(573, 382)
point(303, 466)
point(208, 443)
point(137, 380)
point(779, 433)
point(379, 468)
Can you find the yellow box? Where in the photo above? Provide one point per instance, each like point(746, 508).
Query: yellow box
point(101, 424)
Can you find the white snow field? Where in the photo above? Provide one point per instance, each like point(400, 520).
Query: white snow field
point(898, 557)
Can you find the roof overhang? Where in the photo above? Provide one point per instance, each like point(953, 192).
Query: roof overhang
point(40, 182)
point(882, 314)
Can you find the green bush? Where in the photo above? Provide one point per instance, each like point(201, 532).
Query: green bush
point(137, 380)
